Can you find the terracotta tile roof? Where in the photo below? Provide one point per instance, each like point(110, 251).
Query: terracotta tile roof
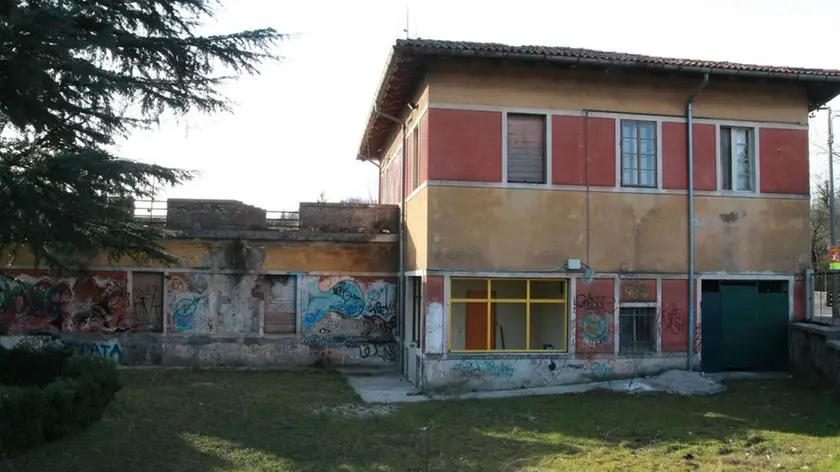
point(409, 56)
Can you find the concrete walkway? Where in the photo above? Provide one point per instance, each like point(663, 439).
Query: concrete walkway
point(387, 386)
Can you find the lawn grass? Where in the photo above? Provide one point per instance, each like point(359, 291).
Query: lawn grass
point(189, 421)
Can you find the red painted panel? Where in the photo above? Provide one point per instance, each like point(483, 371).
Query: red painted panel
point(799, 300)
point(601, 142)
point(434, 289)
point(409, 170)
point(424, 148)
point(594, 317)
point(637, 290)
point(784, 161)
point(675, 157)
point(465, 145)
point(673, 316)
point(568, 150)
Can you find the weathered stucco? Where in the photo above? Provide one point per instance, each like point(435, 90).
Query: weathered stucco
point(468, 373)
point(417, 230)
point(541, 88)
point(501, 229)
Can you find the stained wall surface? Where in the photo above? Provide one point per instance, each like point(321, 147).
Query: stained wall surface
point(273, 303)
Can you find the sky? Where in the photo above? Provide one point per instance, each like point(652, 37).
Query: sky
point(295, 129)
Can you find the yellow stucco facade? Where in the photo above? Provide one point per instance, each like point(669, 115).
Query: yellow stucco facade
point(491, 227)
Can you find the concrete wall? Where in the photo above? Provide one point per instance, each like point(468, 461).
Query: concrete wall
point(349, 218)
point(815, 352)
point(323, 294)
point(507, 229)
point(196, 214)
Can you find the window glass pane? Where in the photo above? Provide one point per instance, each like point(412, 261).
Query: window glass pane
point(648, 146)
point(469, 288)
point(508, 288)
point(543, 289)
point(628, 146)
point(741, 136)
point(647, 131)
point(647, 162)
point(508, 326)
point(628, 130)
point(648, 178)
point(629, 161)
point(468, 326)
point(630, 177)
point(725, 158)
point(548, 326)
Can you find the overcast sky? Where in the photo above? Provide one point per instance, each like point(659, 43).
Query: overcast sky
point(296, 127)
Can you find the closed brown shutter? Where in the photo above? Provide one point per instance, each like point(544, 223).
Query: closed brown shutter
point(280, 307)
point(526, 148)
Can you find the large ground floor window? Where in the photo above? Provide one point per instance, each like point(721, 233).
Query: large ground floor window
point(508, 315)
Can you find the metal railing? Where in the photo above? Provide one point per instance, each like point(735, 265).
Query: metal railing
point(154, 211)
point(820, 298)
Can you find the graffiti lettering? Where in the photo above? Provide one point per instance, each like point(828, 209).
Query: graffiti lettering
point(673, 319)
point(585, 301)
point(96, 349)
point(482, 368)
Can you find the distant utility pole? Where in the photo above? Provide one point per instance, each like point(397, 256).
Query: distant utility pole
point(832, 221)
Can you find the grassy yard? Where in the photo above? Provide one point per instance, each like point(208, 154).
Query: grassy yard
point(264, 421)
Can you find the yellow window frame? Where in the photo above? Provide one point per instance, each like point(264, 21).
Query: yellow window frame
point(489, 300)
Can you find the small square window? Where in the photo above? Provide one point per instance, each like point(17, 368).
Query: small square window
point(637, 330)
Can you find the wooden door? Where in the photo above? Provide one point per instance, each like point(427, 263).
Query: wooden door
point(476, 323)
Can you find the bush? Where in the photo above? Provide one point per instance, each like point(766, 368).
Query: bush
point(35, 407)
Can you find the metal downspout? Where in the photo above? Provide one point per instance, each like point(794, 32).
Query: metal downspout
point(401, 277)
point(689, 118)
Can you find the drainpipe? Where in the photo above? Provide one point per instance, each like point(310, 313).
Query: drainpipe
point(402, 281)
point(689, 118)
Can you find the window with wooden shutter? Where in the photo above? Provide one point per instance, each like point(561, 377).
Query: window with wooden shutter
point(526, 149)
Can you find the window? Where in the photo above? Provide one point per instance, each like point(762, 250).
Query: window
point(638, 153)
point(637, 330)
point(736, 159)
point(526, 149)
point(508, 315)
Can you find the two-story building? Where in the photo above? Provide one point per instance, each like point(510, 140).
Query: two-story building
point(573, 214)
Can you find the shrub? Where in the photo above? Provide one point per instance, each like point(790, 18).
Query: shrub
point(35, 407)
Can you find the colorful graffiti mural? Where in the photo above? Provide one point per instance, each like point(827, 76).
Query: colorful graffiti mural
point(201, 303)
point(37, 303)
point(595, 329)
point(350, 312)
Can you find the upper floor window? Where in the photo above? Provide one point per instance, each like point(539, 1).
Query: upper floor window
point(737, 162)
point(526, 148)
point(638, 153)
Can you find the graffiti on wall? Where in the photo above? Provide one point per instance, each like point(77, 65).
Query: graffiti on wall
point(147, 300)
point(41, 304)
point(351, 312)
point(434, 329)
point(202, 303)
point(473, 369)
point(673, 319)
point(595, 330)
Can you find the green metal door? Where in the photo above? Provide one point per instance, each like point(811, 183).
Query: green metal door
point(711, 334)
point(773, 322)
point(741, 332)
